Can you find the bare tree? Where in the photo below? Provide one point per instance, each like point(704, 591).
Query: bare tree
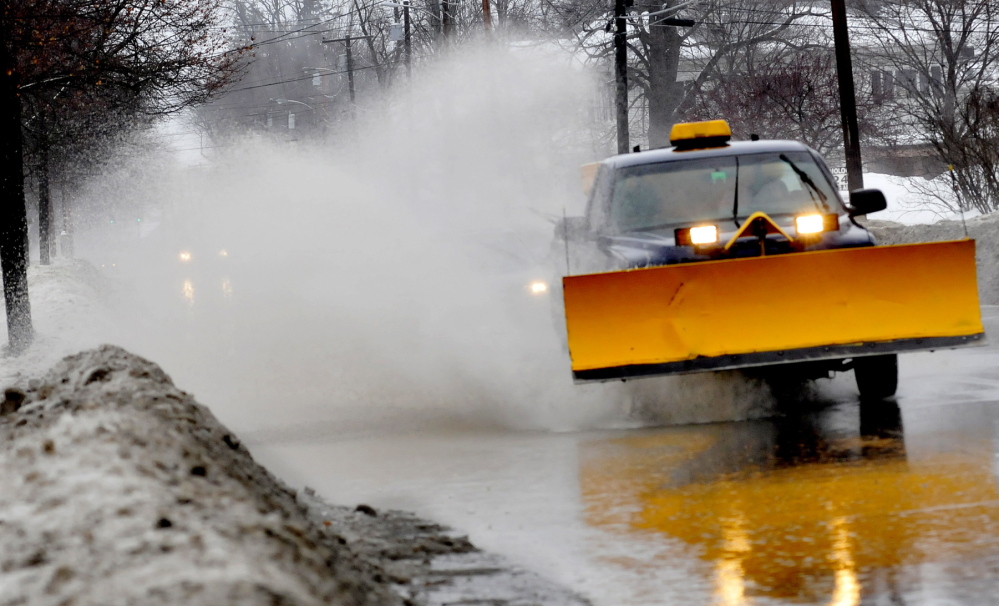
point(722, 42)
point(936, 67)
point(671, 66)
point(169, 53)
point(299, 61)
point(793, 95)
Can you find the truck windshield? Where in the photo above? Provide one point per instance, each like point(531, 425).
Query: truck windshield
point(654, 196)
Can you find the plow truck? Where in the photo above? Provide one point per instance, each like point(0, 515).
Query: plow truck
point(716, 254)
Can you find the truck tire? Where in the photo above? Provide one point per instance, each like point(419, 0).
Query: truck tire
point(877, 376)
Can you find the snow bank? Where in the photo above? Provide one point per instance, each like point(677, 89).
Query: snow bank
point(914, 200)
point(985, 231)
point(118, 488)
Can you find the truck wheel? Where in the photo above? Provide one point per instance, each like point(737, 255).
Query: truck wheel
point(877, 376)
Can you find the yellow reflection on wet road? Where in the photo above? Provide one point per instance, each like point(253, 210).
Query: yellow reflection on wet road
point(813, 526)
point(729, 575)
point(188, 291)
point(847, 589)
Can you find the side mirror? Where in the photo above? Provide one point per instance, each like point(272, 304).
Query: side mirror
point(571, 228)
point(866, 201)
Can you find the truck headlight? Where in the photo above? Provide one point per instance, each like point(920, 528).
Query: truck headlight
point(704, 234)
point(816, 223)
point(696, 236)
point(809, 224)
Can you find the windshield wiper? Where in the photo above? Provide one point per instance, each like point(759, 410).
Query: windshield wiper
point(803, 176)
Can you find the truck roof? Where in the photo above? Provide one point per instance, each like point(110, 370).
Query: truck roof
point(733, 148)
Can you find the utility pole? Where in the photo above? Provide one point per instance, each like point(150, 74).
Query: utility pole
point(350, 75)
point(847, 97)
point(620, 73)
point(350, 68)
point(408, 41)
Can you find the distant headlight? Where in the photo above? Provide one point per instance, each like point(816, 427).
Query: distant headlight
point(184, 256)
point(538, 287)
point(809, 224)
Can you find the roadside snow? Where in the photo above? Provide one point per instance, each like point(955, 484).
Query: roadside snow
point(69, 303)
point(913, 200)
point(984, 230)
point(120, 489)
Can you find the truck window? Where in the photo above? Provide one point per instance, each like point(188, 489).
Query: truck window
point(668, 194)
point(659, 195)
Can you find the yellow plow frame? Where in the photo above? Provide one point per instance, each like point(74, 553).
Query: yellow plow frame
point(796, 307)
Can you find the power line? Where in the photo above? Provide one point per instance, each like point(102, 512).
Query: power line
point(310, 77)
point(302, 29)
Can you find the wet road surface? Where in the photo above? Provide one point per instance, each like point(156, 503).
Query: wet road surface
point(833, 503)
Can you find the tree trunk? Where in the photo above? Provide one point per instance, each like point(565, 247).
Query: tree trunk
point(436, 25)
point(44, 199)
point(665, 93)
point(13, 215)
point(446, 18)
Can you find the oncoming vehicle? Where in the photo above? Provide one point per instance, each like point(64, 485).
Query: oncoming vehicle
point(202, 275)
point(714, 255)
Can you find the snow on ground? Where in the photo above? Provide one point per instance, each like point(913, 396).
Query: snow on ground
point(915, 214)
point(910, 199)
point(70, 303)
point(984, 230)
point(120, 489)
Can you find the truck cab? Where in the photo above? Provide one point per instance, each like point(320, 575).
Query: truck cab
point(716, 255)
point(686, 204)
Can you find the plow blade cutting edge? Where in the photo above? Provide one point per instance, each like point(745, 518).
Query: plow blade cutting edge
point(739, 313)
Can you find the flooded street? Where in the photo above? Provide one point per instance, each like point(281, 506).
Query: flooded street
point(831, 504)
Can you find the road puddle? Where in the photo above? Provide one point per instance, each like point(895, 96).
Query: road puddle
point(804, 510)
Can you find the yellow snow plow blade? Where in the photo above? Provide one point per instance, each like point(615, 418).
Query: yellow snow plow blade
point(736, 313)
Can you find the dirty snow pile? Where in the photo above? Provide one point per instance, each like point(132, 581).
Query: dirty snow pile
point(984, 230)
point(118, 488)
